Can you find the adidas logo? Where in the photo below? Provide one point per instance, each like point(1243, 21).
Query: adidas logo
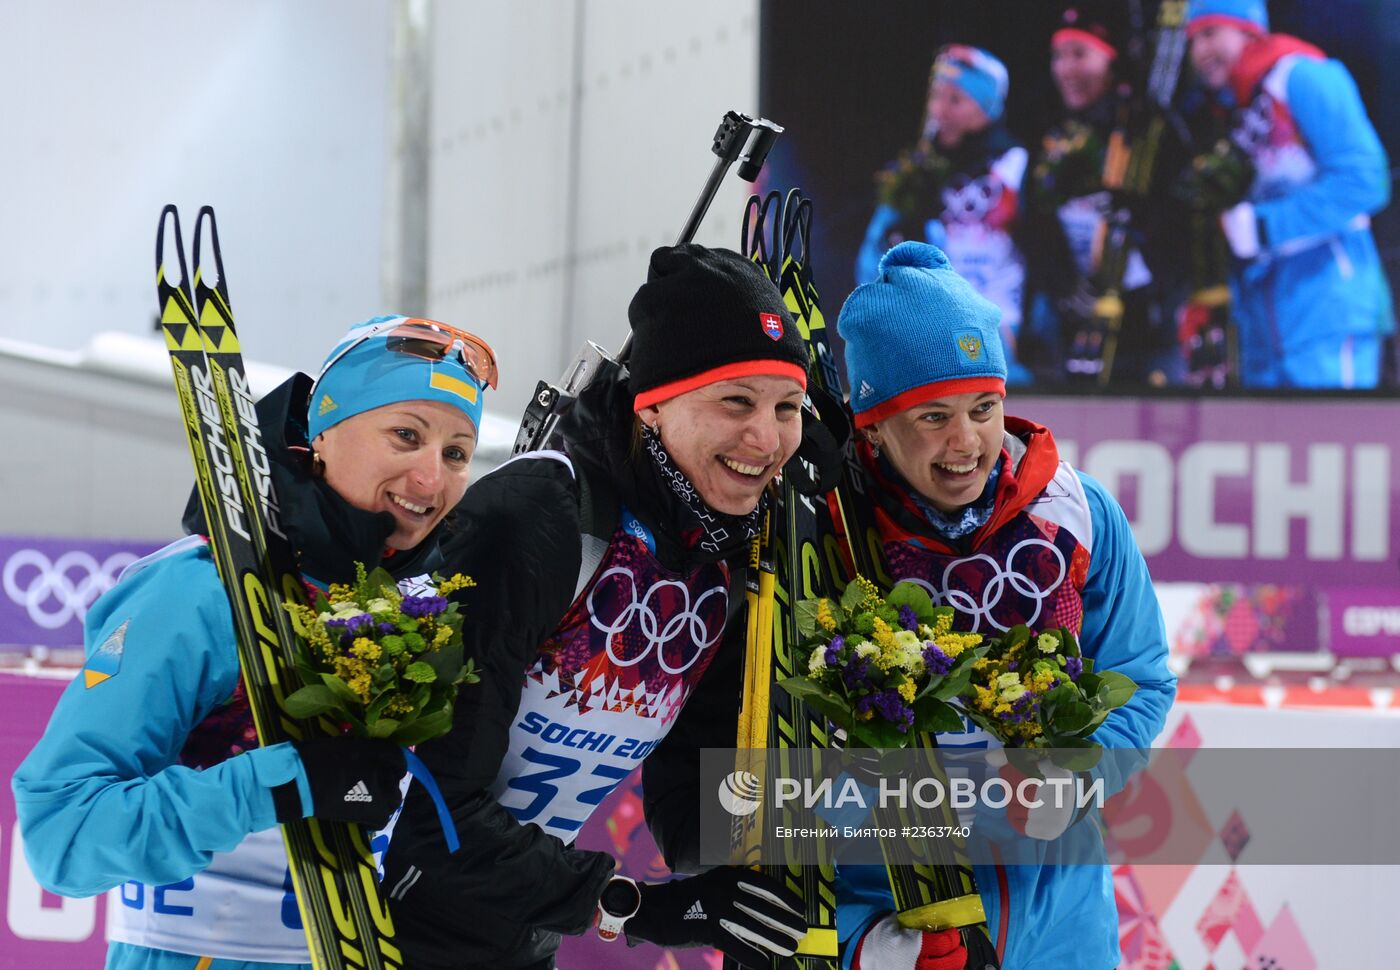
point(865, 390)
point(327, 406)
point(359, 793)
point(695, 912)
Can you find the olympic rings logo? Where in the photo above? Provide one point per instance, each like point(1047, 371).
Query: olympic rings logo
point(640, 611)
point(1002, 576)
point(49, 591)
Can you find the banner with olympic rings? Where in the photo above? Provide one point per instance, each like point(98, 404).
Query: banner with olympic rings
point(47, 586)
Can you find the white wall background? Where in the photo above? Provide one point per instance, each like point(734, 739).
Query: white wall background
point(566, 139)
point(569, 139)
point(273, 112)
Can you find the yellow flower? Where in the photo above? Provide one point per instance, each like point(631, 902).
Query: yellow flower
point(1047, 643)
point(1042, 681)
point(360, 685)
point(865, 715)
point(440, 638)
point(365, 649)
point(980, 665)
point(1001, 708)
point(955, 643)
point(871, 591)
point(883, 635)
point(453, 583)
point(339, 593)
point(907, 691)
point(824, 617)
point(984, 699)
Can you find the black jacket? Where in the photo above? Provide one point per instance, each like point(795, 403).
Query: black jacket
point(504, 897)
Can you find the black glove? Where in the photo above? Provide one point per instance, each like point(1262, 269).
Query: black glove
point(351, 779)
point(742, 913)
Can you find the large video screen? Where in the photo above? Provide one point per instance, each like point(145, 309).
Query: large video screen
point(1209, 214)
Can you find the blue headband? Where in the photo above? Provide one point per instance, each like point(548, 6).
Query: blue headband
point(364, 372)
point(981, 76)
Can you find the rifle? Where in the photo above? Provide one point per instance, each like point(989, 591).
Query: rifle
point(738, 138)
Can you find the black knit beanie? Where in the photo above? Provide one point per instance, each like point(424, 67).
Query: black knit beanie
point(707, 315)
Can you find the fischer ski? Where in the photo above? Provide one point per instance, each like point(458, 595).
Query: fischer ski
point(333, 874)
point(942, 891)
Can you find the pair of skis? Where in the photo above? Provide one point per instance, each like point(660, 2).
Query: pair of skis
point(1128, 171)
point(333, 874)
point(825, 536)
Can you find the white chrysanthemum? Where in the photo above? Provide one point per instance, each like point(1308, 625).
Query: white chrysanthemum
point(380, 606)
point(867, 649)
point(906, 639)
point(1008, 680)
point(925, 631)
point(911, 659)
point(1047, 643)
point(1012, 694)
point(817, 663)
point(349, 608)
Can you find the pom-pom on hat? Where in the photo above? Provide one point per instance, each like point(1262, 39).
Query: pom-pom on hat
point(1251, 16)
point(977, 73)
point(919, 331)
point(707, 315)
point(1098, 23)
point(394, 358)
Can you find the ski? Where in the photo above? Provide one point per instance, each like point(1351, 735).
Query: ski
point(332, 871)
point(944, 889)
point(790, 567)
point(1128, 170)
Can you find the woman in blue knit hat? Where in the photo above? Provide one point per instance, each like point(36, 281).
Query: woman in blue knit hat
point(1310, 296)
point(959, 187)
point(149, 776)
point(979, 507)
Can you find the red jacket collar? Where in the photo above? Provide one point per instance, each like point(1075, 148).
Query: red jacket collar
point(1027, 468)
point(1258, 58)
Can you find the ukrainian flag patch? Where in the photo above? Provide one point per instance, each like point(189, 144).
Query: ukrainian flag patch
point(106, 660)
point(453, 385)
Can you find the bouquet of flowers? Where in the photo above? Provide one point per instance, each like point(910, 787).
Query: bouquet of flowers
point(884, 668)
point(888, 668)
point(386, 664)
point(1038, 691)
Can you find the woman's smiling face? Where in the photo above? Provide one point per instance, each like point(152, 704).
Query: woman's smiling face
point(945, 447)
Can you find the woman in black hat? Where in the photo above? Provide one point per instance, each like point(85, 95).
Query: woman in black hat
point(606, 575)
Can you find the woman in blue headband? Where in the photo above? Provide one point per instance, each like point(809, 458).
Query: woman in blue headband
point(151, 779)
point(978, 507)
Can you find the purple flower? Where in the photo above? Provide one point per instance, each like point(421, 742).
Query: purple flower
point(892, 708)
point(384, 629)
point(937, 662)
point(908, 618)
point(856, 671)
point(1011, 665)
point(421, 606)
point(1074, 667)
point(833, 650)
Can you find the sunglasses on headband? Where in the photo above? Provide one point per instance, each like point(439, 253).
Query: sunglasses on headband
point(434, 341)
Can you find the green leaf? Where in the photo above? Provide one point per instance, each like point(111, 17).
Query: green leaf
point(953, 683)
point(381, 584)
point(420, 672)
point(446, 662)
point(312, 701)
point(819, 698)
point(806, 615)
point(383, 728)
point(880, 734)
point(934, 716)
point(913, 596)
point(342, 690)
point(1070, 717)
point(376, 706)
point(852, 598)
point(424, 728)
point(1115, 689)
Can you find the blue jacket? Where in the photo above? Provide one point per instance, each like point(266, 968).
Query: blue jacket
point(1065, 916)
point(1321, 173)
point(103, 799)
